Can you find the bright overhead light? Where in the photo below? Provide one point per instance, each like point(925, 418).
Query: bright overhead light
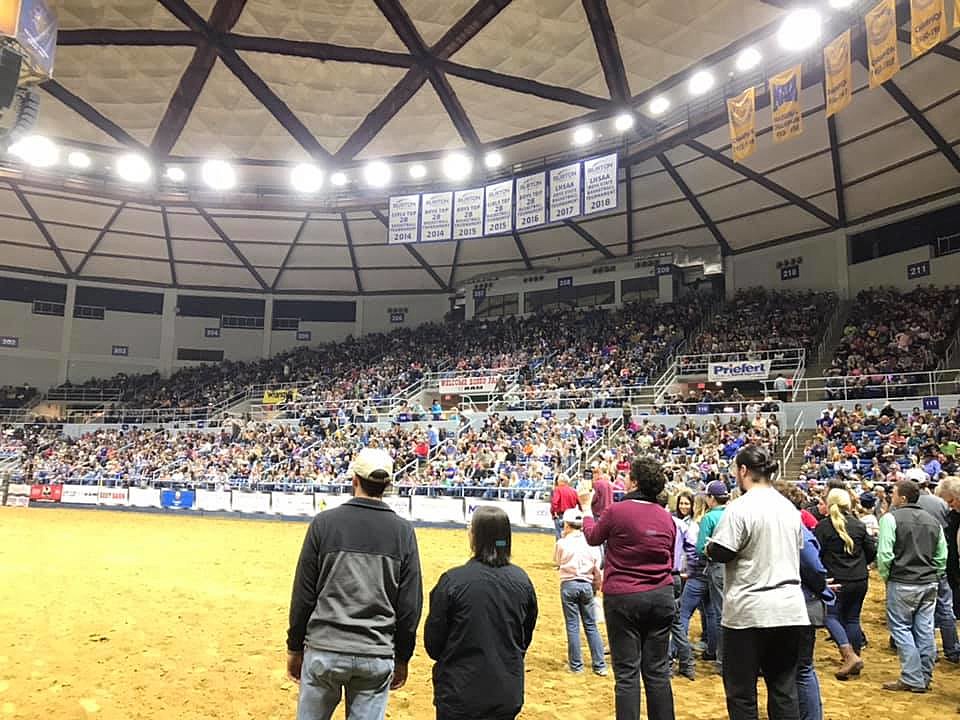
point(36, 150)
point(306, 178)
point(175, 174)
point(218, 174)
point(799, 30)
point(841, 4)
point(133, 168)
point(748, 59)
point(78, 160)
point(493, 160)
point(583, 136)
point(659, 105)
point(418, 171)
point(457, 166)
point(377, 174)
point(623, 122)
point(700, 82)
point(339, 179)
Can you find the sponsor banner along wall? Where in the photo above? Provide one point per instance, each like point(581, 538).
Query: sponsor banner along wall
point(439, 510)
point(46, 493)
point(250, 502)
point(514, 510)
point(292, 503)
point(80, 494)
point(113, 496)
point(536, 513)
point(213, 500)
point(145, 497)
point(739, 370)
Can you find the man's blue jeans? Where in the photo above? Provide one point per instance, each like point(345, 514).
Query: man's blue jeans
point(325, 675)
point(946, 621)
point(910, 612)
point(808, 684)
point(714, 575)
point(576, 597)
point(696, 594)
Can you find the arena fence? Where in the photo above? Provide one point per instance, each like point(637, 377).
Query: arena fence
point(879, 386)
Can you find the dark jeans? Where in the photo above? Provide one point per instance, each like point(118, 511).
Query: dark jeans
point(775, 652)
point(638, 630)
point(679, 634)
point(715, 579)
point(808, 684)
point(843, 617)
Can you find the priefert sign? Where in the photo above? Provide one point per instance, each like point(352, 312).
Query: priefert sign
point(739, 370)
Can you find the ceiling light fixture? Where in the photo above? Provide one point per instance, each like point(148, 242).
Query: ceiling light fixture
point(36, 150)
point(418, 171)
point(457, 166)
point(583, 136)
point(218, 174)
point(799, 30)
point(841, 4)
point(78, 160)
point(377, 174)
point(134, 168)
point(306, 178)
point(175, 174)
point(659, 105)
point(623, 122)
point(338, 179)
point(700, 82)
point(748, 59)
point(493, 160)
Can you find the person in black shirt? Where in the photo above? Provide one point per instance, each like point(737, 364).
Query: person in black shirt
point(846, 549)
point(481, 622)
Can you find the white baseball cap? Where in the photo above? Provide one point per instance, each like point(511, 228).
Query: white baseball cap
point(573, 517)
point(373, 464)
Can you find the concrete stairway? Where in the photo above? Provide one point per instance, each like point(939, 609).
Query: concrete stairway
point(792, 469)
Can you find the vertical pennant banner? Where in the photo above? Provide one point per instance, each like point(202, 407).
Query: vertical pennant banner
point(600, 184)
point(838, 79)
point(956, 14)
point(531, 200)
point(435, 216)
point(742, 114)
point(468, 214)
point(564, 192)
point(498, 200)
point(404, 221)
point(785, 101)
point(928, 25)
point(881, 22)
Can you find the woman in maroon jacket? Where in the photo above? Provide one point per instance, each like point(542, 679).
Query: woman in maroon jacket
point(640, 538)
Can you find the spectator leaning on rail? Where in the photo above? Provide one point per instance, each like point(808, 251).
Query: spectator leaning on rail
point(356, 603)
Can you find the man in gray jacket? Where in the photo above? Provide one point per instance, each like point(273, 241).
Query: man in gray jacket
point(357, 598)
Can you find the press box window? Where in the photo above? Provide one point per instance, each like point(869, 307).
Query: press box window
point(497, 306)
point(198, 355)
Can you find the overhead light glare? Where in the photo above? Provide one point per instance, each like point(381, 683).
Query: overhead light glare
point(748, 59)
point(78, 160)
point(377, 174)
point(418, 171)
point(659, 105)
point(700, 82)
point(306, 178)
point(841, 4)
point(175, 174)
point(583, 136)
point(218, 174)
point(799, 30)
point(457, 166)
point(36, 150)
point(493, 160)
point(339, 179)
point(623, 122)
point(133, 168)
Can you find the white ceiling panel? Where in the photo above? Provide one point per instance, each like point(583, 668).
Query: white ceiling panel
point(808, 177)
point(440, 253)
point(133, 245)
point(72, 238)
point(687, 238)
point(329, 232)
point(500, 247)
point(318, 281)
point(186, 250)
point(263, 255)
point(654, 189)
point(367, 232)
point(39, 258)
point(573, 260)
point(225, 277)
point(139, 221)
point(682, 154)
point(743, 198)
point(259, 229)
point(707, 174)
point(375, 280)
point(552, 240)
point(909, 182)
point(766, 226)
point(946, 119)
point(23, 231)
point(665, 218)
point(870, 109)
point(902, 141)
point(10, 204)
point(317, 256)
point(133, 269)
point(826, 202)
point(607, 230)
point(928, 80)
point(388, 256)
point(189, 225)
point(70, 211)
point(770, 154)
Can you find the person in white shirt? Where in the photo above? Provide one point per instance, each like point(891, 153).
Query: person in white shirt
point(580, 578)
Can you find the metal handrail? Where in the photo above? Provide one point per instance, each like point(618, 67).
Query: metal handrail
point(786, 358)
point(82, 394)
point(909, 385)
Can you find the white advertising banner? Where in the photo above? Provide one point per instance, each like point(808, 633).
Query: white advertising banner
point(514, 510)
point(439, 510)
point(80, 494)
point(498, 205)
point(400, 505)
point(329, 502)
point(536, 513)
point(250, 502)
point(404, 219)
point(600, 184)
point(19, 489)
point(436, 215)
point(468, 214)
point(213, 500)
point(112, 496)
point(292, 503)
point(145, 497)
point(564, 192)
point(738, 370)
point(459, 385)
point(531, 201)
point(17, 501)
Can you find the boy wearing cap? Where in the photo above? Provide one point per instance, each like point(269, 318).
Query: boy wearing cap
point(580, 578)
point(356, 602)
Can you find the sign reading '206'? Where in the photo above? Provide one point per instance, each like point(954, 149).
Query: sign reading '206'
point(563, 193)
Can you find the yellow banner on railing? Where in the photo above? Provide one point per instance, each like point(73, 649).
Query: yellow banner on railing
point(837, 74)
point(742, 112)
point(928, 25)
point(275, 397)
point(785, 101)
point(881, 22)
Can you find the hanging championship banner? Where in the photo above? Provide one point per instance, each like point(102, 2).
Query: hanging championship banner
point(531, 200)
point(928, 25)
point(436, 216)
point(785, 100)
point(881, 24)
point(498, 205)
point(468, 213)
point(956, 14)
point(600, 184)
point(742, 115)
point(837, 74)
point(404, 219)
point(564, 192)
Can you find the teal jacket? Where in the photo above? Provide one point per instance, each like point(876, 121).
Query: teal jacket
point(707, 525)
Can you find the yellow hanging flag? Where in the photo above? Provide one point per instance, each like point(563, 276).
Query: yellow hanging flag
point(837, 74)
point(785, 101)
point(743, 126)
point(881, 22)
point(956, 14)
point(928, 25)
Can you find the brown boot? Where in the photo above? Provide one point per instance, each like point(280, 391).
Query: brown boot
point(851, 664)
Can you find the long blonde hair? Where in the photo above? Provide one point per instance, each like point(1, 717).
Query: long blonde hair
point(838, 502)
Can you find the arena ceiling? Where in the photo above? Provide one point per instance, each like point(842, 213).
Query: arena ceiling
point(268, 83)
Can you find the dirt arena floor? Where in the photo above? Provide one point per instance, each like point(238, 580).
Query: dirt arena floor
point(119, 615)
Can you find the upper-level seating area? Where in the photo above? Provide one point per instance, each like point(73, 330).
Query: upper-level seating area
point(16, 396)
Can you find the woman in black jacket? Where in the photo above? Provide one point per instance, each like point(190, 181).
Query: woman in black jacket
point(847, 549)
point(481, 622)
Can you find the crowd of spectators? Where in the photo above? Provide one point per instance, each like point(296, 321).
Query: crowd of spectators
point(16, 396)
